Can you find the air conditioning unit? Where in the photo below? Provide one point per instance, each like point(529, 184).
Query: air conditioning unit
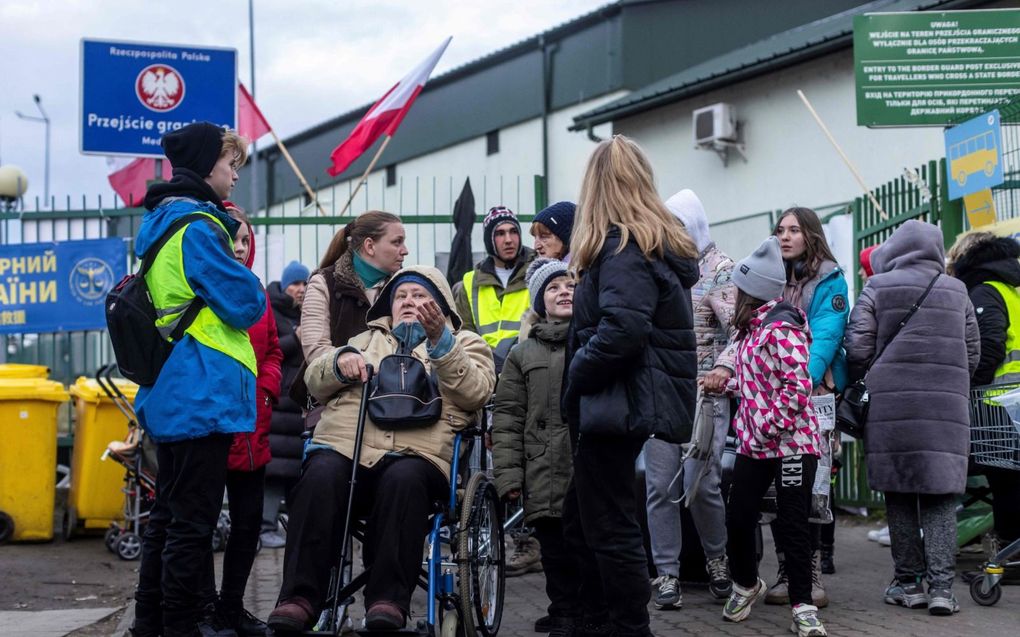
point(715, 123)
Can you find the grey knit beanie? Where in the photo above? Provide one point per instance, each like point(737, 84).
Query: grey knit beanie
point(762, 273)
point(540, 273)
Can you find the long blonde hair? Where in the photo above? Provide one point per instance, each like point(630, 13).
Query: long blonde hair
point(618, 189)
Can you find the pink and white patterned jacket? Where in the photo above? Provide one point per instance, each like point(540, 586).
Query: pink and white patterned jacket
point(775, 418)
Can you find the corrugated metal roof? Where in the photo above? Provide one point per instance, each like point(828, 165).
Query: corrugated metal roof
point(783, 49)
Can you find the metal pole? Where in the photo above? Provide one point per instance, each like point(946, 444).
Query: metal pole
point(254, 146)
point(45, 120)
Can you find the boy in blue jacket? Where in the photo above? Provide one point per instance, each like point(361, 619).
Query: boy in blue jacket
point(205, 391)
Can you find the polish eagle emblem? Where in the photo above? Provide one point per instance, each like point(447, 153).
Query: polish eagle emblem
point(160, 87)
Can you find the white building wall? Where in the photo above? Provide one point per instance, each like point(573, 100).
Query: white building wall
point(789, 160)
point(430, 184)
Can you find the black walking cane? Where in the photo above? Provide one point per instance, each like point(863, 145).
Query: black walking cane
point(345, 547)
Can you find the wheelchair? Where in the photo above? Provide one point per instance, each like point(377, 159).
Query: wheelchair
point(463, 572)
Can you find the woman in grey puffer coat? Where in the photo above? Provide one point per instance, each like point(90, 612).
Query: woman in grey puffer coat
point(918, 434)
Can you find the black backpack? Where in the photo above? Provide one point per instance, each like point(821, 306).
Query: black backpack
point(402, 394)
point(131, 317)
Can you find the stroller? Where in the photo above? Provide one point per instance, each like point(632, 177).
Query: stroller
point(138, 457)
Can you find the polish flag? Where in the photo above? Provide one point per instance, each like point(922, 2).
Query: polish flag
point(385, 115)
point(129, 177)
point(250, 121)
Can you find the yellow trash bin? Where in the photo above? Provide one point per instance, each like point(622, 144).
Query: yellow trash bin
point(19, 370)
point(96, 497)
point(28, 457)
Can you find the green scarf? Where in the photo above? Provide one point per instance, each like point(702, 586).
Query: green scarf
point(368, 273)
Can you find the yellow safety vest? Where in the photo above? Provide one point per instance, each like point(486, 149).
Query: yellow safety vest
point(495, 320)
point(171, 294)
point(1009, 370)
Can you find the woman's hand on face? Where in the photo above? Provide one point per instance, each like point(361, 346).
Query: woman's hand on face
point(432, 319)
point(352, 366)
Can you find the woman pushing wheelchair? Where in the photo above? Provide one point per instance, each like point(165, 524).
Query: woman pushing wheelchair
point(404, 467)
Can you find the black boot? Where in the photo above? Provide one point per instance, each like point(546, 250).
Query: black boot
point(828, 566)
point(243, 622)
point(148, 621)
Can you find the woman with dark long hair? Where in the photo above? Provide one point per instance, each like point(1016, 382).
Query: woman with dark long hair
point(817, 285)
point(631, 369)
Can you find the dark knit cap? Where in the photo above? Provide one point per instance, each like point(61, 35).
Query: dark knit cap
point(414, 277)
point(498, 215)
point(559, 218)
point(196, 147)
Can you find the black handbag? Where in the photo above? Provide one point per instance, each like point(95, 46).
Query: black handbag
point(853, 404)
point(403, 394)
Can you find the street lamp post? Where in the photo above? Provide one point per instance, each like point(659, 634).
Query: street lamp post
point(45, 120)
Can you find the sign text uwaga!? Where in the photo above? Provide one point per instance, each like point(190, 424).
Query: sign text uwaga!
point(133, 93)
point(932, 68)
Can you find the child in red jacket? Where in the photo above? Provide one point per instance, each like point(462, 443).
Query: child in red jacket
point(246, 465)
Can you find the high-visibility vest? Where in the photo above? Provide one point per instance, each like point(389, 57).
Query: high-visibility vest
point(1009, 370)
point(495, 320)
point(171, 295)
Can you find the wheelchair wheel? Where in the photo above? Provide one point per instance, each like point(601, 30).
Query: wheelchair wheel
point(983, 593)
point(482, 562)
point(129, 546)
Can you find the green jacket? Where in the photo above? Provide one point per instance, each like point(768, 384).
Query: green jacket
point(530, 441)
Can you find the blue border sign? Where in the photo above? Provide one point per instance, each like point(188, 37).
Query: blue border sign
point(58, 286)
point(974, 155)
point(134, 93)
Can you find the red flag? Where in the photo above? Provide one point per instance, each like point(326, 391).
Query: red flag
point(129, 177)
point(250, 121)
point(385, 115)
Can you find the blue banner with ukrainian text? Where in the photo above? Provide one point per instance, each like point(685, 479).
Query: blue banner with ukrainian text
point(58, 286)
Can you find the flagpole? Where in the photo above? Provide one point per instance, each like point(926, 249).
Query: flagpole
point(297, 171)
point(364, 177)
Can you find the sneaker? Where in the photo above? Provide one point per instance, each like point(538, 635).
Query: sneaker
point(667, 592)
point(827, 563)
point(526, 558)
point(738, 606)
point(875, 534)
point(779, 593)
point(884, 540)
point(818, 596)
point(719, 584)
point(941, 601)
point(273, 540)
point(910, 595)
point(806, 622)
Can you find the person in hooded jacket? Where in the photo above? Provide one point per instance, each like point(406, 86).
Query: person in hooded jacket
point(530, 441)
point(778, 435)
point(288, 423)
point(246, 465)
point(713, 298)
point(402, 472)
point(990, 269)
point(918, 432)
point(205, 392)
point(631, 372)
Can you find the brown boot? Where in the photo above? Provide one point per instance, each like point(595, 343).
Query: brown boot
point(385, 615)
point(291, 616)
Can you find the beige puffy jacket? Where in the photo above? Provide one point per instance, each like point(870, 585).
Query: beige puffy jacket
point(466, 376)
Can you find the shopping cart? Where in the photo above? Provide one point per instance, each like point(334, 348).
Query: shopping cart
point(995, 442)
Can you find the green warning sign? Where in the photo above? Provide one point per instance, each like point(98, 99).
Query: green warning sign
point(933, 68)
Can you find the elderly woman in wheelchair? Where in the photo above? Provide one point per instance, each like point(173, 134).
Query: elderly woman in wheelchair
point(404, 467)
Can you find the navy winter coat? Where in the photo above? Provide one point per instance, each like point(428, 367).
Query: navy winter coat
point(632, 354)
